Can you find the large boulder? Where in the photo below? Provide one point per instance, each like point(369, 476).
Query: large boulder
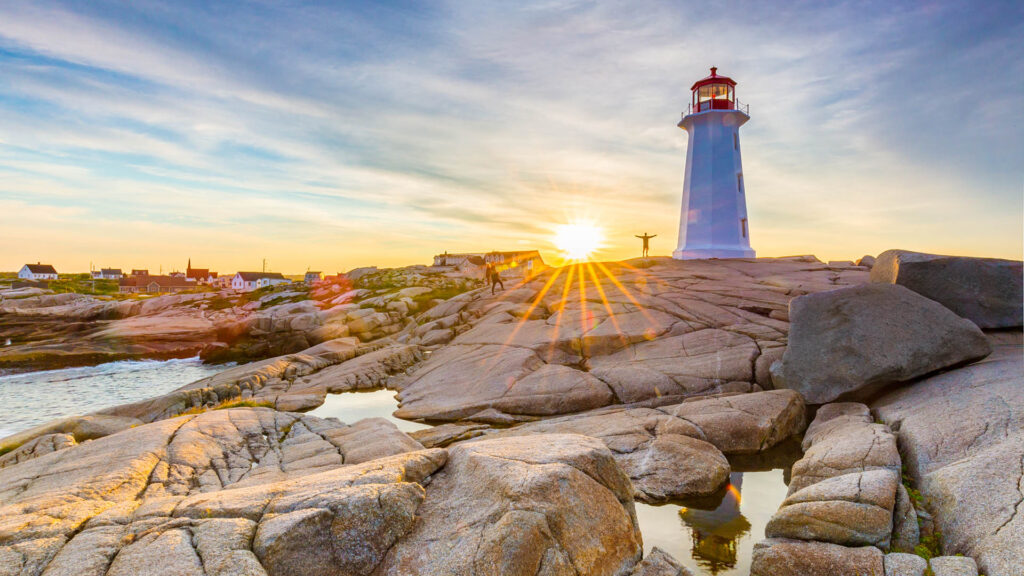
point(523, 506)
point(850, 343)
point(961, 434)
point(986, 291)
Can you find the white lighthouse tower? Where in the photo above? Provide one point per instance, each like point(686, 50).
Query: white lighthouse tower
point(713, 222)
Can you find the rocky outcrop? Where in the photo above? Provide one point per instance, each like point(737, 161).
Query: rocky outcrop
point(853, 510)
point(676, 451)
point(851, 343)
point(843, 439)
point(842, 495)
point(986, 291)
point(961, 434)
point(523, 506)
point(59, 330)
point(778, 557)
point(267, 493)
point(581, 337)
point(61, 433)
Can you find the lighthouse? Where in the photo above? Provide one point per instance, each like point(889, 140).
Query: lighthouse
point(713, 221)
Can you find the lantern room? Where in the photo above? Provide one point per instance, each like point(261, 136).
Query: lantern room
point(713, 93)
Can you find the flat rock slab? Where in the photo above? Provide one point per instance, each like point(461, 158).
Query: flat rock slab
point(986, 291)
point(962, 437)
point(852, 343)
point(953, 566)
point(853, 510)
point(902, 564)
point(780, 557)
point(842, 440)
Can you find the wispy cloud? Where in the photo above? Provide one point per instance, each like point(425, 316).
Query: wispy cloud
point(379, 134)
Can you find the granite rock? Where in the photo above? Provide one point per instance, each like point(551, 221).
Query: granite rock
point(986, 291)
point(852, 343)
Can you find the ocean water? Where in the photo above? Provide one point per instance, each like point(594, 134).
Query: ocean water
point(352, 406)
point(32, 398)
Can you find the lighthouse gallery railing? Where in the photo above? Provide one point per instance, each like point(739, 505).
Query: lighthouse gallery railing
point(716, 104)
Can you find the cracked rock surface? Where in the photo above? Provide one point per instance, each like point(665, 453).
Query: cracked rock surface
point(677, 451)
point(962, 437)
point(260, 492)
point(581, 337)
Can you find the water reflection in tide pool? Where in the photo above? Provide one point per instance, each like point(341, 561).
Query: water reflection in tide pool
point(716, 536)
point(350, 407)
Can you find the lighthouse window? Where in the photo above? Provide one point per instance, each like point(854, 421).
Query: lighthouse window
point(743, 226)
point(739, 183)
point(735, 141)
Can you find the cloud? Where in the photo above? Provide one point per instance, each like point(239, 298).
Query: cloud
point(347, 134)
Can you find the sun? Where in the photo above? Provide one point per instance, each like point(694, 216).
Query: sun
point(578, 241)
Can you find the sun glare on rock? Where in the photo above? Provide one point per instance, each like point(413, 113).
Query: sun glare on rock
point(578, 241)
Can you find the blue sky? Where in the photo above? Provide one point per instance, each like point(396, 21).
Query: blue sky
point(140, 134)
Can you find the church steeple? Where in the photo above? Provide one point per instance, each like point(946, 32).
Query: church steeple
point(189, 269)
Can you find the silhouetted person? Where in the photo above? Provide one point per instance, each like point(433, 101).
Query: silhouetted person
point(647, 242)
point(494, 277)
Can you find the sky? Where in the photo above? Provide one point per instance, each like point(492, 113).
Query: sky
point(336, 135)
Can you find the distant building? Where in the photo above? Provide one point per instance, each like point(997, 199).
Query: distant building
point(37, 271)
point(519, 262)
point(107, 274)
point(137, 272)
point(200, 275)
point(221, 281)
point(154, 284)
point(312, 277)
point(249, 281)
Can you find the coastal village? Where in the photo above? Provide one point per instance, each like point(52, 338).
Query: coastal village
point(140, 281)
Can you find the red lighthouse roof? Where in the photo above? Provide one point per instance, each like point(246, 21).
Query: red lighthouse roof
point(714, 78)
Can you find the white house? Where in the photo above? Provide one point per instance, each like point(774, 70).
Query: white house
point(37, 271)
point(107, 274)
point(249, 281)
point(312, 277)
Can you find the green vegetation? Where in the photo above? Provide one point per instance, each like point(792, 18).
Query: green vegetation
point(83, 284)
point(442, 293)
point(285, 431)
point(930, 545)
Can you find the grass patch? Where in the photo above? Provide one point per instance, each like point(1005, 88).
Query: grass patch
point(930, 546)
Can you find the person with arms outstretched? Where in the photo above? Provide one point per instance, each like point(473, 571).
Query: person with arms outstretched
point(647, 242)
